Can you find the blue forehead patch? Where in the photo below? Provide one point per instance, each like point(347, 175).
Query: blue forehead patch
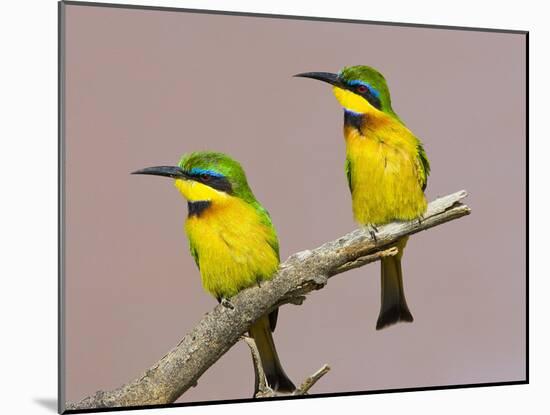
point(196, 171)
point(372, 90)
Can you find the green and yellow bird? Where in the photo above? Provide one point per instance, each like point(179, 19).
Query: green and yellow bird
point(386, 167)
point(232, 240)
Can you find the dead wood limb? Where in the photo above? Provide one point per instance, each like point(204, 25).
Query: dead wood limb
point(222, 327)
point(312, 380)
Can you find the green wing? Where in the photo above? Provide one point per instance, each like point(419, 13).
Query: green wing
point(348, 174)
point(273, 241)
point(194, 254)
point(424, 166)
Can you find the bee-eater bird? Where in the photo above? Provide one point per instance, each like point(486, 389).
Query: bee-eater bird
point(386, 168)
point(232, 240)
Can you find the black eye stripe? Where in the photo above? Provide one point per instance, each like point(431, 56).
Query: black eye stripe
point(366, 93)
point(220, 183)
point(369, 96)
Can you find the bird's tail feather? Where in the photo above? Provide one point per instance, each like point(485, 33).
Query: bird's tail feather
point(276, 377)
point(393, 307)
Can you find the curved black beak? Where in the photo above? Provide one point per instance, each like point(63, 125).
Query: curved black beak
point(328, 77)
point(174, 172)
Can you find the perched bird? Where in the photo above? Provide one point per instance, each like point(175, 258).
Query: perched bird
point(232, 240)
point(386, 167)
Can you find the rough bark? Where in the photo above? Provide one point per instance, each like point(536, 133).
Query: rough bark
point(222, 327)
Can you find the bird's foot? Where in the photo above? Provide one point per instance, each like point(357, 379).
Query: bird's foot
point(420, 219)
point(227, 304)
point(372, 231)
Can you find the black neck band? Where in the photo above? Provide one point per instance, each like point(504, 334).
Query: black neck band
point(353, 119)
point(196, 208)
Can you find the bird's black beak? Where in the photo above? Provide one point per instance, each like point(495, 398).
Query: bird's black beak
point(330, 78)
point(174, 172)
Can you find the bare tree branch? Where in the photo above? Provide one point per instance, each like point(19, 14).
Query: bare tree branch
point(222, 327)
point(264, 391)
point(259, 374)
point(312, 380)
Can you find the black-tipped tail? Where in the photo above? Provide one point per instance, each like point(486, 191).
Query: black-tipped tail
point(394, 306)
point(394, 315)
point(275, 375)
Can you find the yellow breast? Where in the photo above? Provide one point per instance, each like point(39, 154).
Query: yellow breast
point(384, 172)
point(233, 247)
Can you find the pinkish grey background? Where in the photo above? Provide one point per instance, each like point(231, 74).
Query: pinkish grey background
point(143, 87)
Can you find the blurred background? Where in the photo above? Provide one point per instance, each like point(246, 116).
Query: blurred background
point(143, 87)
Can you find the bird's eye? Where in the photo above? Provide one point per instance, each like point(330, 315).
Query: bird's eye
point(205, 177)
point(362, 89)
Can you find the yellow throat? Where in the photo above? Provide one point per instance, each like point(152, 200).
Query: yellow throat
point(352, 102)
point(233, 248)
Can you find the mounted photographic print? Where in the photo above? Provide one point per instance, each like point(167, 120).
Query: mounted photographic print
point(276, 207)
